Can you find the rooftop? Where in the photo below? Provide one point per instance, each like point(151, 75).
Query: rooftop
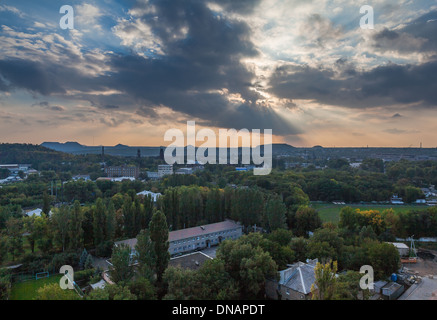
point(191, 261)
point(202, 230)
point(191, 232)
point(299, 277)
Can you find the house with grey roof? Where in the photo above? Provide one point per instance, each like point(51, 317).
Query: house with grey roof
point(294, 282)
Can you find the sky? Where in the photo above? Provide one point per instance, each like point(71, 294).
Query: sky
point(131, 70)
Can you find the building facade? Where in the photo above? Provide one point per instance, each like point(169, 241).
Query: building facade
point(165, 169)
point(122, 171)
point(191, 239)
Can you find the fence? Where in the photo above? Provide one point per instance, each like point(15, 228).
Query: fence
point(26, 276)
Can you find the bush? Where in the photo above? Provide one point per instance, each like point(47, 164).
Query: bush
point(65, 258)
point(104, 249)
point(84, 275)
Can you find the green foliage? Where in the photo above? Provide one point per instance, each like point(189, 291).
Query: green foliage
point(121, 269)
point(5, 284)
point(145, 255)
point(304, 220)
point(88, 262)
point(249, 266)
point(275, 211)
point(210, 282)
point(54, 292)
point(159, 236)
point(142, 289)
point(325, 284)
point(348, 287)
point(384, 258)
point(14, 227)
point(112, 292)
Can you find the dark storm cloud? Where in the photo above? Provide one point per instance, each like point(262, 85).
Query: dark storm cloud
point(29, 75)
point(382, 86)
point(202, 54)
point(48, 106)
point(418, 36)
point(45, 77)
point(240, 6)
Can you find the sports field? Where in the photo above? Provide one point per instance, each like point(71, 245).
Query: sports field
point(27, 290)
point(331, 212)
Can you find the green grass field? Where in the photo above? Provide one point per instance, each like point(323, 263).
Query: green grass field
point(331, 212)
point(27, 290)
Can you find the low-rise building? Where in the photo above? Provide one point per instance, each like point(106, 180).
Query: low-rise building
point(165, 169)
point(122, 171)
point(196, 238)
point(294, 282)
point(83, 177)
point(36, 213)
point(402, 248)
point(184, 171)
point(145, 193)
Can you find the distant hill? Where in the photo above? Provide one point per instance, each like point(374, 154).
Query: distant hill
point(14, 153)
point(118, 150)
point(131, 151)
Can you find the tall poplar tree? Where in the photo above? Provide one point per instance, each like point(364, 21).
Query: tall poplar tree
point(159, 236)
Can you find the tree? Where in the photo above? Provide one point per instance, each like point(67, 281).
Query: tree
point(143, 289)
point(325, 283)
point(5, 284)
point(14, 227)
point(159, 236)
point(281, 236)
point(112, 292)
point(29, 225)
point(43, 234)
point(249, 266)
point(384, 258)
point(214, 283)
point(129, 217)
point(348, 287)
point(75, 229)
point(3, 248)
point(181, 284)
point(83, 258)
point(88, 262)
point(332, 238)
point(54, 292)
point(300, 248)
point(61, 223)
point(121, 270)
point(46, 203)
point(275, 214)
point(321, 250)
point(306, 219)
point(99, 222)
point(145, 255)
point(111, 222)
